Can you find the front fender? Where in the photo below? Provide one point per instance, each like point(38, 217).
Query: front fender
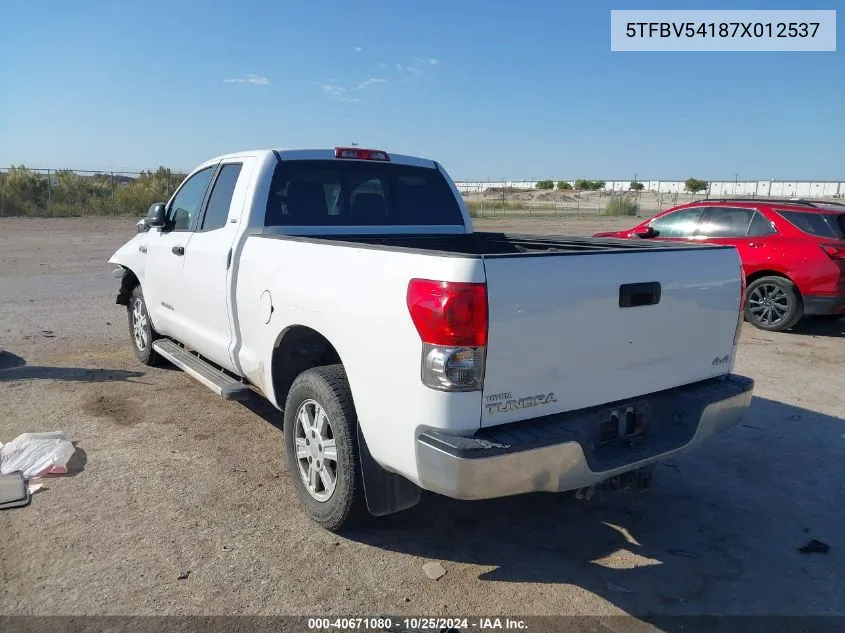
point(132, 256)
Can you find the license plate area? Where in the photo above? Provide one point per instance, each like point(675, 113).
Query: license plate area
point(624, 423)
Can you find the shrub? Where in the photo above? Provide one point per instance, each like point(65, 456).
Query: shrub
point(636, 186)
point(622, 205)
point(562, 185)
point(26, 192)
point(545, 184)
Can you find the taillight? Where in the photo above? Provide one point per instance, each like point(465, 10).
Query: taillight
point(451, 319)
point(361, 154)
point(834, 252)
point(449, 313)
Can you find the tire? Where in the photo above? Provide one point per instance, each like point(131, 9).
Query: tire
point(308, 441)
point(142, 338)
point(773, 304)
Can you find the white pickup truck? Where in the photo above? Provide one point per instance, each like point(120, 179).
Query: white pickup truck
point(409, 352)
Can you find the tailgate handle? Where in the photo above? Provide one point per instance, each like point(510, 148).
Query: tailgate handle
point(641, 294)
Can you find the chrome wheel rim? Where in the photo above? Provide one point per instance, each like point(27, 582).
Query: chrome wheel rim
point(768, 304)
point(316, 451)
point(140, 322)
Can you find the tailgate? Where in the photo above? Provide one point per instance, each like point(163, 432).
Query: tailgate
point(560, 339)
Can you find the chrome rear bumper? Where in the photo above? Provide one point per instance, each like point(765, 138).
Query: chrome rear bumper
point(564, 452)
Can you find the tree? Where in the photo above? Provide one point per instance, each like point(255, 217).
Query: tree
point(562, 185)
point(589, 185)
point(545, 184)
point(636, 186)
point(693, 185)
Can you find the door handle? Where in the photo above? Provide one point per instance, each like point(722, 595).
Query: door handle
point(178, 250)
point(753, 245)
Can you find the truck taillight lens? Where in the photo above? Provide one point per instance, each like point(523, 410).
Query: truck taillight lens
point(451, 319)
point(741, 317)
point(449, 313)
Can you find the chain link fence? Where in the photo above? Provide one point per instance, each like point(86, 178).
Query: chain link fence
point(66, 192)
point(492, 201)
point(642, 197)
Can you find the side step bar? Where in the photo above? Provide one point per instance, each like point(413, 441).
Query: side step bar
point(220, 383)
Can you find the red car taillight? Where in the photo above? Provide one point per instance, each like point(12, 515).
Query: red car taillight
point(834, 252)
point(451, 319)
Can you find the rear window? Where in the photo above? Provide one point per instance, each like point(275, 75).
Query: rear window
point(348, 193)
point(814, 223)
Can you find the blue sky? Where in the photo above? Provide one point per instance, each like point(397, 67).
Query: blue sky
point(491, 89)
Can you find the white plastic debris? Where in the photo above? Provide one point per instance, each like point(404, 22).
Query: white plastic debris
point(36, 454)
point(35, 485)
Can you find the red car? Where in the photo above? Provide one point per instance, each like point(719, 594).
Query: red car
point(793, 252)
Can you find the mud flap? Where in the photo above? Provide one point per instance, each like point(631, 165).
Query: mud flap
point(127, 283)
point(384, 491)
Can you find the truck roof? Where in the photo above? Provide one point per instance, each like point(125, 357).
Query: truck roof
point(318, 154)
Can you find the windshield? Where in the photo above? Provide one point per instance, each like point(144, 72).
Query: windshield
point(365, 193)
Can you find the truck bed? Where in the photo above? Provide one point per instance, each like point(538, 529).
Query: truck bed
point(491, 244)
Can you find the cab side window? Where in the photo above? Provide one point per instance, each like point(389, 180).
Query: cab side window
point(217, 210)
point(185, 207)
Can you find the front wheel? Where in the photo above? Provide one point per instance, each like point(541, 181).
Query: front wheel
point(773, 304)
point(321, 447)
point(141, 329)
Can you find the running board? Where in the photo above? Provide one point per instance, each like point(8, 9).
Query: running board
point(220, 383)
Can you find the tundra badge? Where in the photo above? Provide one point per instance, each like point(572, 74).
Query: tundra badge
point(503, 402)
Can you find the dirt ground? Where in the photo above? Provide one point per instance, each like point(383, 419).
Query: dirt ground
point(168, 478)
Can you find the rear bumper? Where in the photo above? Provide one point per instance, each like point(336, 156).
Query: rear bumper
point(566, 451)
point(820, 304)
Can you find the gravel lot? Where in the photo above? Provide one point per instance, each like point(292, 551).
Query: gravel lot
point(168, 478)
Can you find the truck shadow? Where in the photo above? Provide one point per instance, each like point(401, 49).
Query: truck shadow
point(718, 534)
point(14, 368)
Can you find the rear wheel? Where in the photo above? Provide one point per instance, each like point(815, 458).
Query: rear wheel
point(773, 304)
point(321, 447)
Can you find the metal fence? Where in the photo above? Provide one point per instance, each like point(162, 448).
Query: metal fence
point(66, 192)
point(499, 201)
point(622, 197)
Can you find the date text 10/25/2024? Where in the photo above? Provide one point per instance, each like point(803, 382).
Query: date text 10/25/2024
point(416, 624)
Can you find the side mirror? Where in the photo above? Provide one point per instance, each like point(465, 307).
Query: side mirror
point(644, 232)
point(156, 216)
